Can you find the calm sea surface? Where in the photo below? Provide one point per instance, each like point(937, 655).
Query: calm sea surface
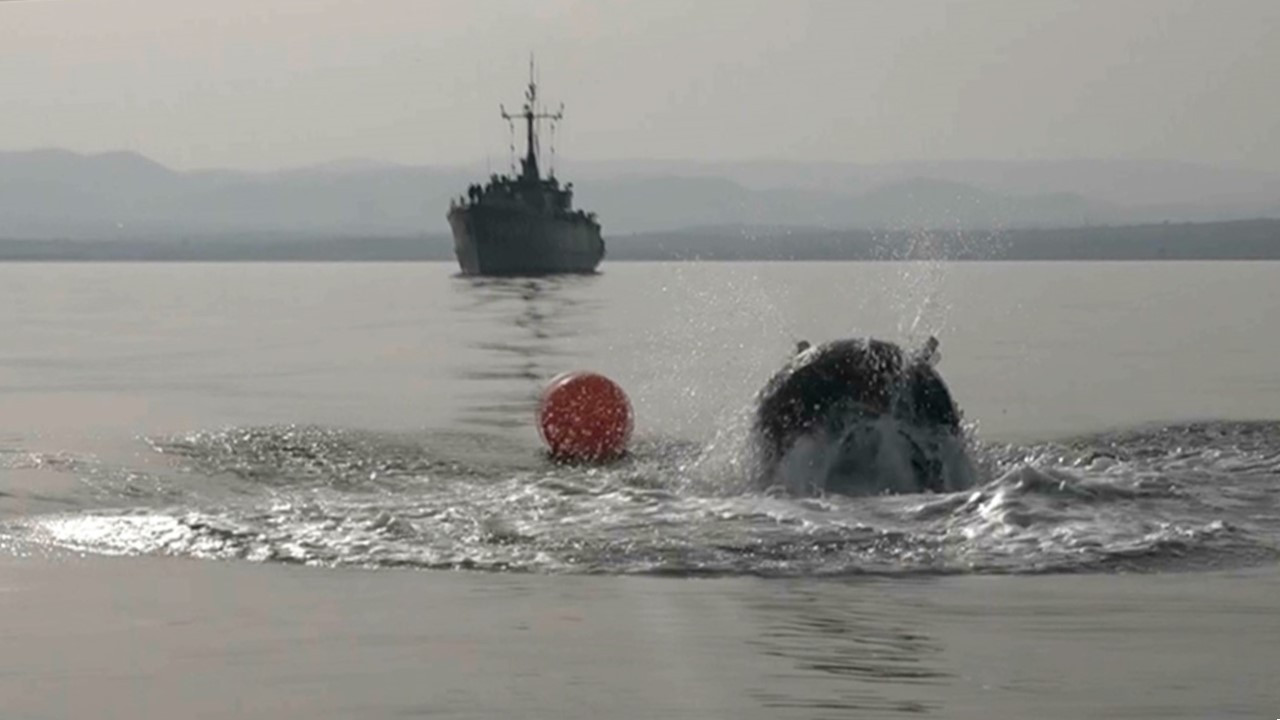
point(316, 490)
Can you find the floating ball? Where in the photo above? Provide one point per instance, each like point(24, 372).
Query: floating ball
point(584, 416)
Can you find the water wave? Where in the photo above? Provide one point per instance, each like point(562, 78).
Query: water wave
point(1180, 497)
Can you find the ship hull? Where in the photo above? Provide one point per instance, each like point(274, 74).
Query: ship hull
point(501, 241)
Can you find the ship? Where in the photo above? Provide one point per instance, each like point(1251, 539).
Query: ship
point(524, 224)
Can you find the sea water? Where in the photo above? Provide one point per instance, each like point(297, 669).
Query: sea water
point(367, 421)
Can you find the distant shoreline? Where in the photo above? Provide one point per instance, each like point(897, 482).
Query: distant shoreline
point(1230, 240)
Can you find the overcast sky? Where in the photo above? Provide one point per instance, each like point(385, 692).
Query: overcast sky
point(270, 83)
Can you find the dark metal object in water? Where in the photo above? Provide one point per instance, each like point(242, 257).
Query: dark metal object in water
point(827, 388)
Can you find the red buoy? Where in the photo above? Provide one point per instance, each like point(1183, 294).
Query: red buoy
point(584, 416)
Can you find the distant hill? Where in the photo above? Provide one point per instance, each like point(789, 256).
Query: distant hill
point(46, 194)
point(1125, 183)
point(1235, 240)
point(56, 194)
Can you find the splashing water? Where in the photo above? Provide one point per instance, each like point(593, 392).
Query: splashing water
point(1154, 499)
point(1183, 497)
point(877, 456)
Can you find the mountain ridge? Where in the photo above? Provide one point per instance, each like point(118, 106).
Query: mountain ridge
point(57, 193)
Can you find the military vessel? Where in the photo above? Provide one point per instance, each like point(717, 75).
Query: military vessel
point(524, 224)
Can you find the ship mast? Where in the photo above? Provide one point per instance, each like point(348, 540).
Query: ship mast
point(531, 114)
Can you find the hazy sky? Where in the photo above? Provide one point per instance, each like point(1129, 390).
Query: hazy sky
point(270, 83)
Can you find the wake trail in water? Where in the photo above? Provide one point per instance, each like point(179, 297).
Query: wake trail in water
point(1179, 497)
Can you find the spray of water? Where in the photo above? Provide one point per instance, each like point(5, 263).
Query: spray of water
point(700, 371)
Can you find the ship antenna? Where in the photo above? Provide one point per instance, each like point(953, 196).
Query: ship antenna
point(555, 123)
point(511, 138)
point(531, 116)
point(531, 111)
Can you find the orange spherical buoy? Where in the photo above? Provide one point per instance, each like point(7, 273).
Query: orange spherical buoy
point(584, 416)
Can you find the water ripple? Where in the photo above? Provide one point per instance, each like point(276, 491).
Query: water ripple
point(1169, 498)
